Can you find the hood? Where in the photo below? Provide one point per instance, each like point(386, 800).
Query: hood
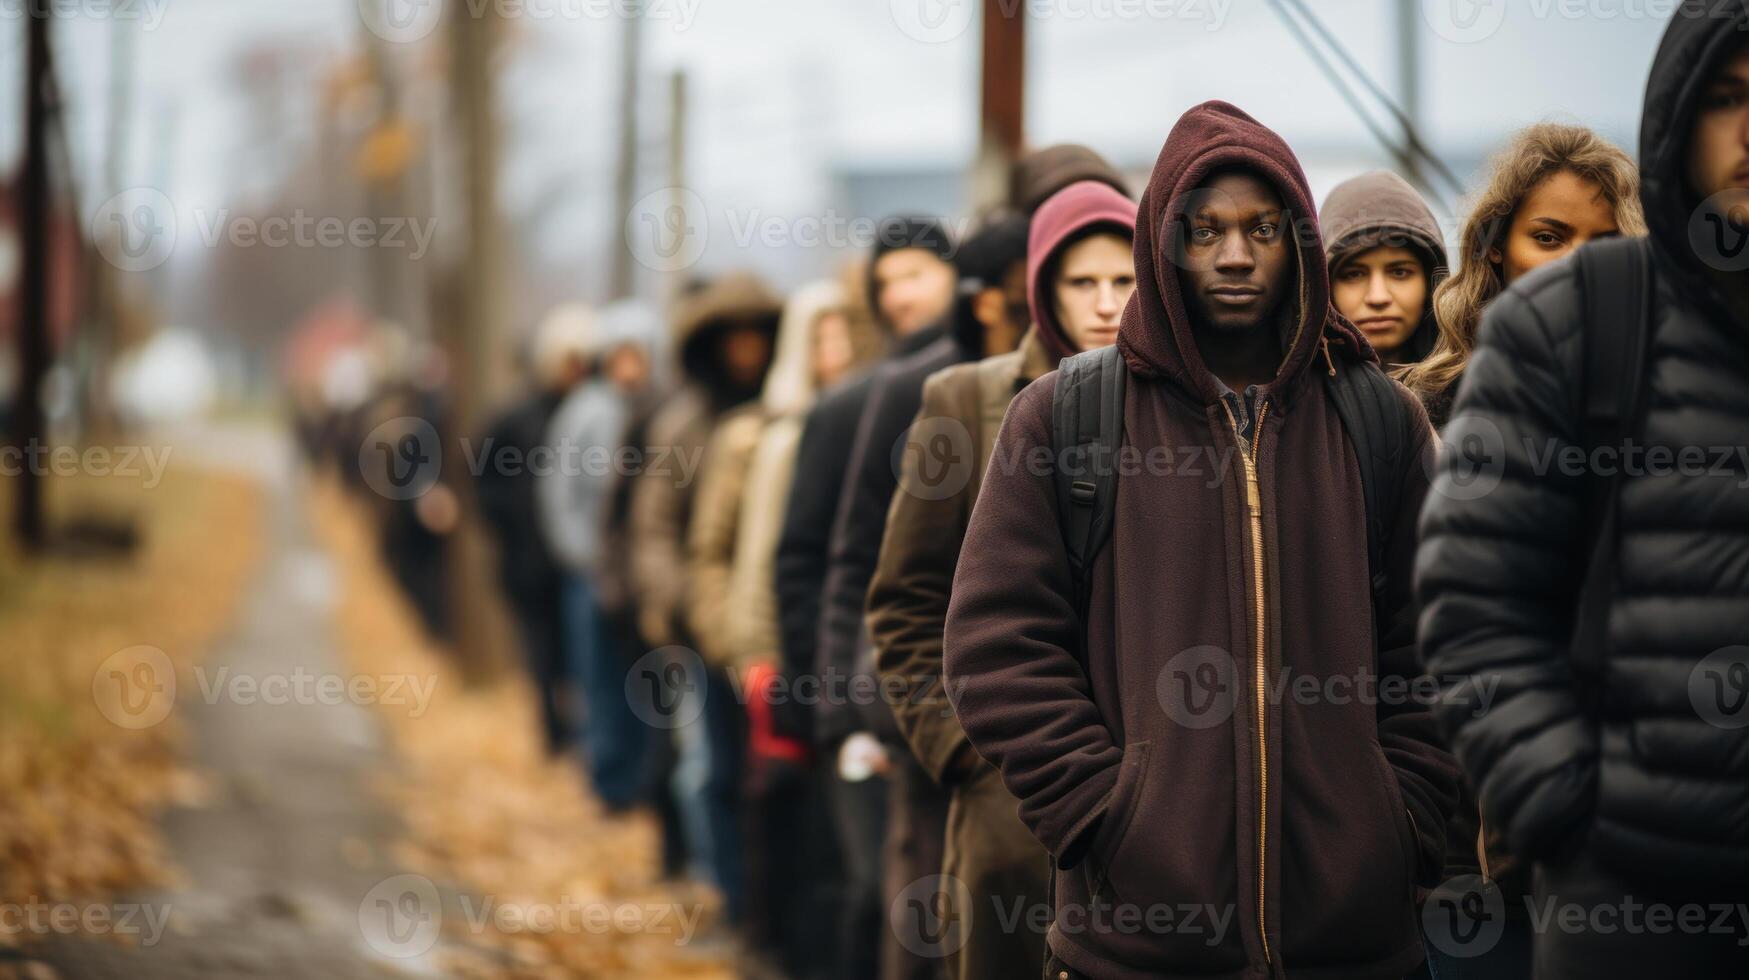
point(1700, 35)
point(790, 385)
point(1042, 173)
point(1060, 220)
point(1381, 208)
point(734, 298)
point(1156, 338)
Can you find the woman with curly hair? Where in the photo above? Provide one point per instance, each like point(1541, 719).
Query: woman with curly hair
point(1553, 188)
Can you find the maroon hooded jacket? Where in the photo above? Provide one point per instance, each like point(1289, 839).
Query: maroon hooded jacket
point(1224, 759)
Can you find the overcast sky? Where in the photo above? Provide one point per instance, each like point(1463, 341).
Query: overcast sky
point(784, 91)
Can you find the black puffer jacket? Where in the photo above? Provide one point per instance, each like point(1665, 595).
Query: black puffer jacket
point(1657, 789)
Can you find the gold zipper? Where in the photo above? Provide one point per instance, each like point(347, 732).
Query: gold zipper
point(1254, 504)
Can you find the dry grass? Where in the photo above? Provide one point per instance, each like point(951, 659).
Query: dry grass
point(79, 794)
point(488, 811)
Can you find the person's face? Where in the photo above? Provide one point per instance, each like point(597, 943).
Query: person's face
point(833, 350)
point(1094, 280)
point(746, 353)
point(1718, 148)
point(1002, 310)
point(912, 288)
point(1383, 291)
point(628, 367)
point(1235, 262)
point(1561, 213)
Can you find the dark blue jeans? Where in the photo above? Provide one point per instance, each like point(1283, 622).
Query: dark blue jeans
point(615, 742)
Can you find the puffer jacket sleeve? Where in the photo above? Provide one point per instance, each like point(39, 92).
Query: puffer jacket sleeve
point(1012, 631)
point(1499, 564)
point(908, 596)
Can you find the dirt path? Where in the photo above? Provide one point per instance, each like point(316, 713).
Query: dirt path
point(287, 856)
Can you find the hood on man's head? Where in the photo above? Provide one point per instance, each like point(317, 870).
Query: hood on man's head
point(984, 258)
point(1068, 216)
point(1380, 209)
point(1041, 173)
point(729, 300)
point(1156, 337)
point(1701, 36)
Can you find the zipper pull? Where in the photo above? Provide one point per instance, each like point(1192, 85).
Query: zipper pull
point(1253, 495)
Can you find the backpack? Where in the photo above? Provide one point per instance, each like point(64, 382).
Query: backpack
point(1087, 433)
point(1615, 288)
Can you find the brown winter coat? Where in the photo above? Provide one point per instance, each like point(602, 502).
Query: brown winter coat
point(664, 493)
point(1162, 749)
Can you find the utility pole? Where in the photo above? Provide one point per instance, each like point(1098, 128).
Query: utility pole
point(30, 427)
point(625, 174)
point(473, 336)
point(1002, 102)
point(1409, 81)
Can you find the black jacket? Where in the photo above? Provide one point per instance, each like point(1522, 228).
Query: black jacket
point(857, 529)
point(804, 548)
point(1651, 784)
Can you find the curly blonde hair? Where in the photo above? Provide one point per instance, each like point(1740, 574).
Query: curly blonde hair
point(1533, 155)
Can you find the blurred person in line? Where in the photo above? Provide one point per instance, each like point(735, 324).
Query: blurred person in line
point(1606, 606)
point(631, 332)
point(910, 287)
point(1080, 273)
point(574, 494)
point(742, 489)
point(853, 714)
point(412, 398)
point(861, 722)
point(1386, 257)
point(557, 359)
point(1553, 188)
point(1122, 682)
point(723, 337)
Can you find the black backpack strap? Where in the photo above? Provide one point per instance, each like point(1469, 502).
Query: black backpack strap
point(1086, 433)
point(1615, 286)
point(1378, 424)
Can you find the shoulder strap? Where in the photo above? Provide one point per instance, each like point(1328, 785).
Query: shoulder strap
point(1086, 433)
point(1378, 424)
point(1615, 286)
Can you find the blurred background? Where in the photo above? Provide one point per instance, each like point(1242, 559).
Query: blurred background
point(224, 221)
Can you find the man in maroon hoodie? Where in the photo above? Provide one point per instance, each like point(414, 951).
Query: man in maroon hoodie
point(1228, 754)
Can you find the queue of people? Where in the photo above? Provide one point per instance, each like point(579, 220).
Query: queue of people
point(985, 610)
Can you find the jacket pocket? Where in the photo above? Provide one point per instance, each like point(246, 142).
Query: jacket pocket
point(1120, 810)
point(1404, 821)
